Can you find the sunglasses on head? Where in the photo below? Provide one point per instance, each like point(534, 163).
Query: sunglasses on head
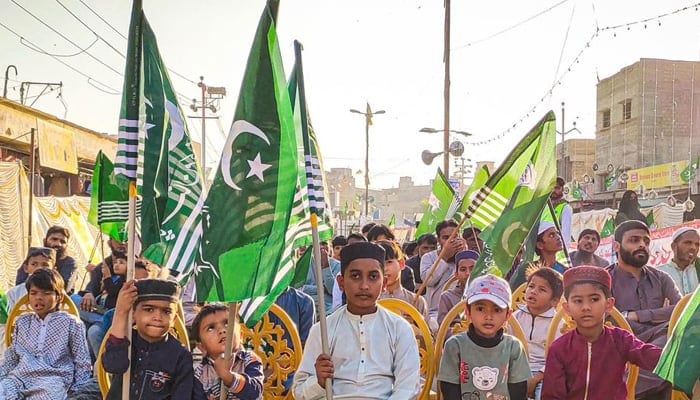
point(41, 251)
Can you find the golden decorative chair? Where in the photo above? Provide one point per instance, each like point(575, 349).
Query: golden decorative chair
point(451, 327)
point(675, 316)
point(615, 319)
point(22, 307)
point(179, 330)
point(424, 339)
point(280, 358)
point(518, 297)
point(449, 283)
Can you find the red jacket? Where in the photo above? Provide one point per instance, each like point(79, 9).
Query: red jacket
point(576, 369)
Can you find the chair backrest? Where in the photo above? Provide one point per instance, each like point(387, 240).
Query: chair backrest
point(615, 319)
point(22, 307)
point(675, 316)
point(518, 297)
point(179, 330)
point(456, 321)
point(449, 283)
point(426, 349)
point(280, 358)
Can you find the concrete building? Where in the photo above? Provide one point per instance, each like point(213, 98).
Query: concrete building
point(579, 156)
point(648, 114)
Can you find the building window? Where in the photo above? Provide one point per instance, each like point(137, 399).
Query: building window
point(627, 109)
point(606, 118)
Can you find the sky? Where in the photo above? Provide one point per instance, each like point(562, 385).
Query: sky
point(511, 62)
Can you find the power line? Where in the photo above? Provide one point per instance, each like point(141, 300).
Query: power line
point(103, 20)
point(510, 28)
point(90, 29)
point(66, 38)
point(90, 79)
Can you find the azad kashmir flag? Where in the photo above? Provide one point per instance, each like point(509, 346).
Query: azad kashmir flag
point(249, 240)
point(109, 200)
point(680, 359)
point(482, 175)
point(155, 150)
point(442, 205)
point(523, 184)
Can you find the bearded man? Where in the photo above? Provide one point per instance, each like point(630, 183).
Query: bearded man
point(57, 238)
point(644, 295)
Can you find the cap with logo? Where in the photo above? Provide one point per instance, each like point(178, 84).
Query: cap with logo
point(491, 288)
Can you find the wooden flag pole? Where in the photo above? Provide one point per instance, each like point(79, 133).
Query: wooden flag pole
point(130, 266)
point(228, 352)
point(92, 254)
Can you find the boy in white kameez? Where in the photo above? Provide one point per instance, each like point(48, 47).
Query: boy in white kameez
point(373, 352)
point(48, 357)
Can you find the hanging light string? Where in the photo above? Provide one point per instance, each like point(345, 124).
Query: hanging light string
point(576, 60)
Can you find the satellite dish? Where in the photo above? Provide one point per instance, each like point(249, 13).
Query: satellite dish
point(623, 178)
point(611, 168)
point(653, 194)
point(671, 201)
point(586, 178)
point(456, 148)
point(689, 205)
point(566, 189)
point(595, 166)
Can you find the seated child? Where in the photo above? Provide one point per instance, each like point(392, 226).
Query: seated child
point(97, 331)
point(485, 362)
point(589, 362)
point(373, 352)
point(243, 375)
point(48, 357)
point(464, 264)
point(394, 263)
point(162, 367)
point(37, 258)
point(543, 293)
point(112, 283)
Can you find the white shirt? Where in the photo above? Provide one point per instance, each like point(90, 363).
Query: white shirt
point(14, 295)
point(375, 356)
point(686, 280)
point(443, 272)
point(337, 295)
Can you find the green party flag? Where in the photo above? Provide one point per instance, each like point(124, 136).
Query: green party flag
point(611, 179)
point(109, 200)
point(154, 149)
point(680, 359)
point(689, 172)
point(525, 179)
point(301, 269)
point(442, 204)
point(608, 229)
point(346, 209)
point(650, 220)
point(392, 221)
point(248, 236)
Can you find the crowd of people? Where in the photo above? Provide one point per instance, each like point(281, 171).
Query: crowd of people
point(373, 352)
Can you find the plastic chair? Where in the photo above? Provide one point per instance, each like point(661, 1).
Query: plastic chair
point(426, 349)
point(22, 307)
point(449, 327)
point(179, 330)
point(617, 320)
point(279, 358)
point(675, 316)
point(518, 298)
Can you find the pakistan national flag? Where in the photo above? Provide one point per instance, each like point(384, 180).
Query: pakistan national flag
point(689, 172)
point(154, 148)
point(526, 178)
point(109, 200)
point(680, 360)
point(248, 244)
point(442, 204)
point(608, 228)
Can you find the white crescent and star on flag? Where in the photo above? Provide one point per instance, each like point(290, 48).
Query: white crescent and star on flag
point(257, 167)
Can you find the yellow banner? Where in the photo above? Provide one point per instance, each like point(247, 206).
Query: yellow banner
point(657, 176)
point(57, 147)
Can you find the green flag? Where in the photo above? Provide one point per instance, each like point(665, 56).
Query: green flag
point(680, 360)
point(392, 221)
point(689, 172)
point(650, 220)
point(480, 179)
point(526, 179)
point(608, 229)
point(154, 148)
point(611, 179)
point(311, 192)
point(442, 204)
point(248, 252)
point(301, 269)
point(109, 200)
